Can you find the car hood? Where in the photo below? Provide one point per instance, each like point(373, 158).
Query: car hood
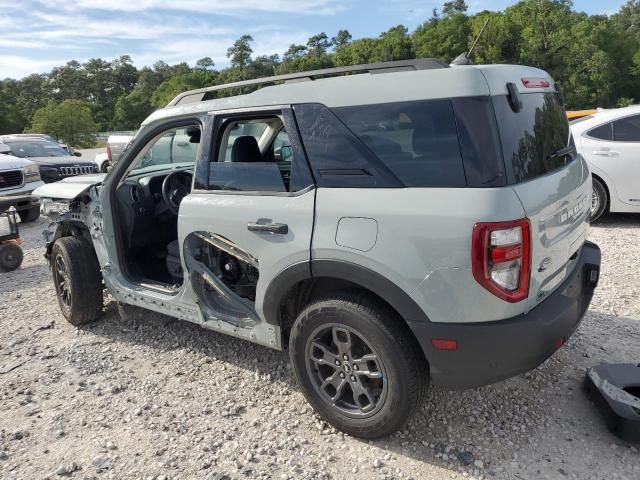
point(9, 162)
point(69, 188)
point(59, 161)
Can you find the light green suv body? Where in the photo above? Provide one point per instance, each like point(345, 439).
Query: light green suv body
point(446, 202)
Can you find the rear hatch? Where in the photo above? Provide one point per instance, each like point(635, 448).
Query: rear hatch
point(551, 181)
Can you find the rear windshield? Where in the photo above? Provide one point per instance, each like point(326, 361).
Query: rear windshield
point(531, 136)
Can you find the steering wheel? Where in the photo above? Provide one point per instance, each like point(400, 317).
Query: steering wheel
point(175, 187)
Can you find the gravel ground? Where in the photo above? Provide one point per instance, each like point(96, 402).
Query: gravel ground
point(142, 396)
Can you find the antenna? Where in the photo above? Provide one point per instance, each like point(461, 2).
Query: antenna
point(465, 57)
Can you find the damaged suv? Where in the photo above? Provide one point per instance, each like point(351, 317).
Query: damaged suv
point(392, 224)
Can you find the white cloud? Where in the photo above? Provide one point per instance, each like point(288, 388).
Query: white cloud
point(217, 7)
point(18, 43)
point(148, 30)
point(14, 66)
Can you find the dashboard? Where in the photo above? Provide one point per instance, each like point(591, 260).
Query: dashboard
point(143, 213)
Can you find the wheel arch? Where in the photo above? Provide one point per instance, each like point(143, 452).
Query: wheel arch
point(297, 285)
point(68, 228)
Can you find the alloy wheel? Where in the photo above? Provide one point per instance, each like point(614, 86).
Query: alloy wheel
point(63, 284)
point(595, 202)
point(346, 370)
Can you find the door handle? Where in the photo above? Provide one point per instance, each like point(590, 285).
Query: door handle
point(605, 153)
point(275, 228)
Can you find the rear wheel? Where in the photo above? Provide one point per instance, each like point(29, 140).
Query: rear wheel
point(77, 280)
point(30, 215)
point(10, 257)
point(357, 365)
point(599, 200)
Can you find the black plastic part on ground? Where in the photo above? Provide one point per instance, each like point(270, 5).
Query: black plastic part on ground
point(622, 419)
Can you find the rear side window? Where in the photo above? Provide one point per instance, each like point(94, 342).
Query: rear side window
point(603, 132)
point(337, 157)
point(416, 141)
point(627, 129)
point(531, 137)
point(479, 142)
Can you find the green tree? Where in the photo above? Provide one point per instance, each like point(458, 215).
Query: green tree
point(240, 52)
point(69, 120)
point(318, 44)
point(359, 51)
point(454, 7)
point(205, 63)
point(177, 84)
point(444, 38)
point(343, 37)
point(11, 118)
point(394, 44)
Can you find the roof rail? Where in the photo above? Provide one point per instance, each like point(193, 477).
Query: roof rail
point(201, 94)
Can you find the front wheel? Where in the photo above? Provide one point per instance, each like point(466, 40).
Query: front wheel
point(598, 200)
point(77, 280)
point(358, 365)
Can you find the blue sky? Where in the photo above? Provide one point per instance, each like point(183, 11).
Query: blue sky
point(38, 35)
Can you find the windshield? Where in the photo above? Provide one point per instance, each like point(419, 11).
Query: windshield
point(532, 137)
point(29, 149)
point(176, 148)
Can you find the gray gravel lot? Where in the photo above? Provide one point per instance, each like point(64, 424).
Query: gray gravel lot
point(142, 396)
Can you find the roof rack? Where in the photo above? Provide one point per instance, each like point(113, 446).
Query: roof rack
point(201, 94)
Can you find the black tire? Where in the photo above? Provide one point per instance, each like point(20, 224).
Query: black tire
point(104, 168)
point(77, 280)
point(599, 200)
point(11, 257)
point(30, 215)
point(400, 369)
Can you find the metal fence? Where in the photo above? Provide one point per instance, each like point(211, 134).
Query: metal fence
point(106, 135)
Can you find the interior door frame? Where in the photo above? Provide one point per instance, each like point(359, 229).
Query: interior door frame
point(122, 167)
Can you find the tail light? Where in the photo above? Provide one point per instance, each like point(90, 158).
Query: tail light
point(108, 154)
point(501, 258)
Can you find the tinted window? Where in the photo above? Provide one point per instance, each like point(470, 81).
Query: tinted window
point(417, 141)
point(479, 142)
point(603, 132)
point(338, 158)
point(531, 136)
point(627, 129)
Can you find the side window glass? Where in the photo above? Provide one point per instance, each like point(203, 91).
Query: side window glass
point(603, 132)
point(627, 129)
point(339, 158)
point(176, 146)
point(417, 141)
point(254, 155)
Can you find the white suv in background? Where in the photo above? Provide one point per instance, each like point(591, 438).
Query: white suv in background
point(18, 178)
point(610, 142)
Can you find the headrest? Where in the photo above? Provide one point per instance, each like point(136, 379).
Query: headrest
point(246, 150)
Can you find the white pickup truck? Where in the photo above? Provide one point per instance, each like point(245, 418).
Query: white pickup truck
point(115, 146)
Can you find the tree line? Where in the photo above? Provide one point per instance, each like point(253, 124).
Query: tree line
point(596, 58)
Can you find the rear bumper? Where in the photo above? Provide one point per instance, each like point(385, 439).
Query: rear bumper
point(490, 352)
